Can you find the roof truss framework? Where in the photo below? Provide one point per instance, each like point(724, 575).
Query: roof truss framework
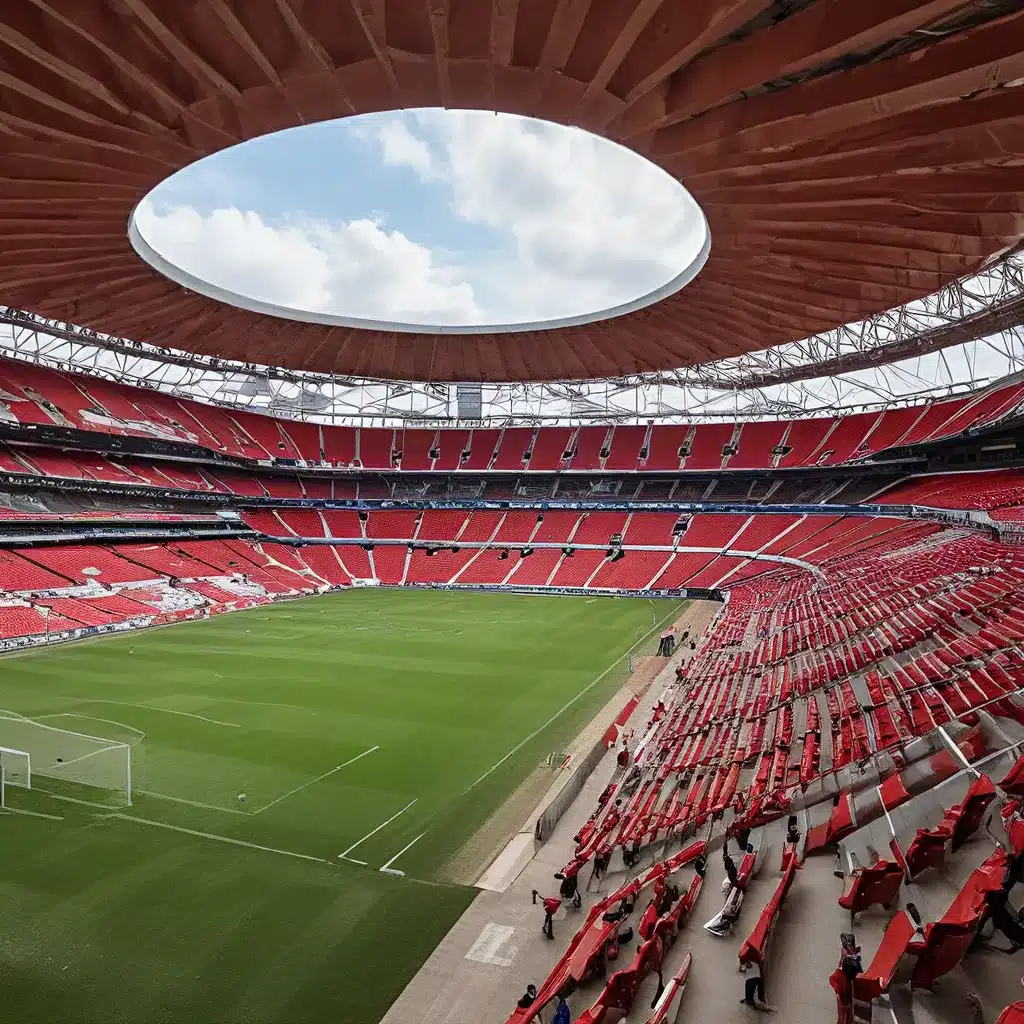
point(850, 155)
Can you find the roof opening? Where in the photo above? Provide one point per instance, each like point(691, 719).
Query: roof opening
point(457, 221)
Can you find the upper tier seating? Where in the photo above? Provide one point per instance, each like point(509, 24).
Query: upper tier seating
point(39, 395)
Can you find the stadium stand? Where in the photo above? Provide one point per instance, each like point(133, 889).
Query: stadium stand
point(853, 632)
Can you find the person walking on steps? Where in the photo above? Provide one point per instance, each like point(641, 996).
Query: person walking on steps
point(551, 905)
point(753, 993)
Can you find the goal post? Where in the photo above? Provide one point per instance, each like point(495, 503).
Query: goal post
point(16, 766)
point(61, 754)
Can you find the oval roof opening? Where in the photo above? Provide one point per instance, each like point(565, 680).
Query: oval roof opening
point(449, 221)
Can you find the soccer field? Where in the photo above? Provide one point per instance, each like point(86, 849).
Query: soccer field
point(363, 721)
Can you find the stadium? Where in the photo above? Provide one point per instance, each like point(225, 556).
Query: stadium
point(663, 663)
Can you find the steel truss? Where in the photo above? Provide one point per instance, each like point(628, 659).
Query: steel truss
point(965, 336)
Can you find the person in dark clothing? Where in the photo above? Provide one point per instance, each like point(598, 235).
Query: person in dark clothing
point(569, 888)
point(842, 979)
point(527, 999)
point(601, 861)
point(1004, 919)
point(700, 865)
point(730, 868)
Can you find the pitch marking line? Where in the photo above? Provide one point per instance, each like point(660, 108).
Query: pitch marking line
point(218, 839)
point(31, 814)
point(92, 753)
point(305, 785)
point(387, 867)
point(565, 707)
point(166, 711)
point(191, 803)
point(345, 855)
point(93, 718)
point(74, 800)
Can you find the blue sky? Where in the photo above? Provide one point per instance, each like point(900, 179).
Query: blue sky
point(451, 217)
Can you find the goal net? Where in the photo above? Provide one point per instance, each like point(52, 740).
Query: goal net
point(16, 766)
point(33, 749)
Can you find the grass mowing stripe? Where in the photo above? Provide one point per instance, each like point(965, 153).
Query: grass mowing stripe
point(565, 707)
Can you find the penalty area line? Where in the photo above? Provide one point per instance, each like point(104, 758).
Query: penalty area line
point(565, 707)
point(218, 839)
point(387, 867)
point(305, 785)
point(31, 814)
point(345, 855)
point(190, 803)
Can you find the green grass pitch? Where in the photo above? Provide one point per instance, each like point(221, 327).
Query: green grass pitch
point(105, 919)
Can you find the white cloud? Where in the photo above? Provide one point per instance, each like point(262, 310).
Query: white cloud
point(590, 224)
point(575, 225)
point(352, 269)
point(399, 147)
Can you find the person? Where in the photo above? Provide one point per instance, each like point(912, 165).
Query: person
point(753, 993)
point(569, 888)
point(700, 865)
point(527, 999)
point(648, 920)
point(730, 868)
point(842, 978)
point(601, 861)
point(622, 759)
point(1004, 919)
point(551, 905)
point(561, 1012)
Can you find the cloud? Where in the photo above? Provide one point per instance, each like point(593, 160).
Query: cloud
point(353, 269)
point(554, 222)
point(399, 147)
point(590, 224)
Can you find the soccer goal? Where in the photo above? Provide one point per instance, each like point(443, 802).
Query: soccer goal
point(30, 748)
point(15, 770)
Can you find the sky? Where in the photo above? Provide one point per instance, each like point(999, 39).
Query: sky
point(428, 217)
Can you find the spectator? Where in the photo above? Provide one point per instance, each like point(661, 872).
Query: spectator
point(528, 998)
point(561, 1012)
point(753, 993)
point(551, 905)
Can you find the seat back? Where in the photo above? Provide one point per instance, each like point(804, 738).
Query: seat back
point(944, 948)
point(879, 973)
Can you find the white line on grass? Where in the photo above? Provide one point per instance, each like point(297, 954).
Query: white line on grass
point(344, 856)
point(92, 753)
point(219, 839)
point(74, 800)
point(257, 703)
point(298, 789)
point(565, 707)
point(166, 711)
point(93, 718)
point(32, 814)
point(384, 867)
point(191, 803)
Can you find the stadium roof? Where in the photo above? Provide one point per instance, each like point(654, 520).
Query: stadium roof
point(850, 156)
